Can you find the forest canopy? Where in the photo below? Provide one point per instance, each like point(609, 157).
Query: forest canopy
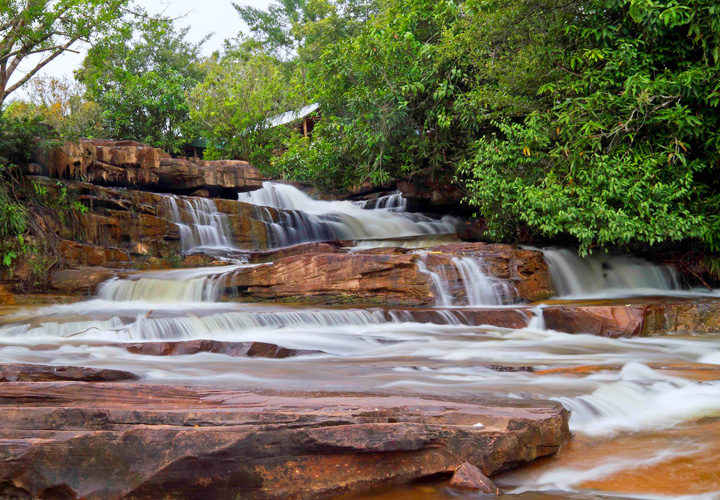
point(595, 121)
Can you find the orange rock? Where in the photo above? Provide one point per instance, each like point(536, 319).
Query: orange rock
point(149, 441)
point(467, 477)
point(6, 298)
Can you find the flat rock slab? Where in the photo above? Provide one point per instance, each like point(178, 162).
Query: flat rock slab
point(20, 372)
point(145, 441)
point(238, 349)
point(637, 317)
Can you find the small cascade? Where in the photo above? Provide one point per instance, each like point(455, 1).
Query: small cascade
point(392, 203)
point(480, 289)
point(641, 398)
point(575, 276)
point(439, 280)
point(304, 220)
point(193, 285)
point(207, 228)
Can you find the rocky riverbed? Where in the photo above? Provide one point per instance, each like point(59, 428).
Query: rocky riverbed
point(277, 346)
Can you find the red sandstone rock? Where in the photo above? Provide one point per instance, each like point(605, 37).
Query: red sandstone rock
point(526, 270)
point(259, 256)
point(607, 321)
point(388, 277)
point(177, 175)
point(240, 349)
point(337, 278)
point(83, 280)
point(142, 441)
point(124, 163)
point(637, 317)
point(17, 372)
point(467, 477)
point(6, 298)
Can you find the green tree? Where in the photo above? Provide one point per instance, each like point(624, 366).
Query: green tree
point(628, 148)
point(35, 32)
point(420, 81)
point(140, 76)
point(234, 104)
point(292, 29)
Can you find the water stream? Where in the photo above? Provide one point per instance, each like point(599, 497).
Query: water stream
point(304, 220)
point(640, 405)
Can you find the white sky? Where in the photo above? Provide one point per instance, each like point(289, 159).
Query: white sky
point(202, 16)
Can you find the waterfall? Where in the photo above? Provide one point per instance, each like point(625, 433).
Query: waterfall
point(207, 228)
point(439, 281)
point(191, 285)
point(304, 220)
point(480, 289)
point(575, 276)
point(393, 202)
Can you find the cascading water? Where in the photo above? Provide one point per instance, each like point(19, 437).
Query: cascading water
point(303, 220)
point(574, 276)
point(480, 289)
point(207, 228)
point(193, 285)
point(394, 202)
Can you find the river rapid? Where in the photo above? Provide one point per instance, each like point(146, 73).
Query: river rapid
point(645, 411)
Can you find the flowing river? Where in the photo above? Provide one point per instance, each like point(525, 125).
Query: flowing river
point(644, 410)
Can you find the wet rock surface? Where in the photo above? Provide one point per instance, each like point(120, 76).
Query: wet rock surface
point(242, 349)
point(467, 477)
point(637, 317)
point(216, 177)
point(141, 441)
point(389, 276)
point(17, 372)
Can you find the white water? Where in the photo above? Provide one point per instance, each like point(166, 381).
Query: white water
point(187, 285)
point(203, 227)
point(480, 289)
point(393, 203)
point(607, 276)
point(303, 219)
point(374, 350)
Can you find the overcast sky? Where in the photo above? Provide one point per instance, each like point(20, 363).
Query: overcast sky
point(202, 16)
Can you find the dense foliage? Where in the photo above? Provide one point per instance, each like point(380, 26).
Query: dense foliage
point(629, 148)
point(590, 120)
point(140, 75)
point(236, 100)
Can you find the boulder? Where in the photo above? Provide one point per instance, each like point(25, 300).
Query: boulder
point(215, 177)
point(110, 163)
point(337, 278)
point(606, 321)
point(525, 270)
point(467, 477)
point(636, 317)
point(147, 441)
point(80, 281)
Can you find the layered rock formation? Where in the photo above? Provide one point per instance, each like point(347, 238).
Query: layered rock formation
point(132, 164)
point(217, 178)
point(641, 317)
point(389, 276)
point(101, 441)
